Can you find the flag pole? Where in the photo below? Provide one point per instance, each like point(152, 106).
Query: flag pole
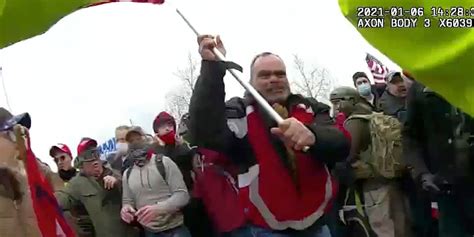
point(5, 89)
point(268, 108)
point(260, 100)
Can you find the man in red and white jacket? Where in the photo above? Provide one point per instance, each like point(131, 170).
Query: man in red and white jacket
point(284, 190)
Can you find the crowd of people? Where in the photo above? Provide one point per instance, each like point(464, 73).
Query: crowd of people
point(371, 164)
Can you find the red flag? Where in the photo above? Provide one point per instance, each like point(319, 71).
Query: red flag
point(378, 70)
point(139, 1)
point(49, 215)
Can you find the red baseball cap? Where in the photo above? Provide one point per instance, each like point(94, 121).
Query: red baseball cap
point(60, 148)
point(86, 143)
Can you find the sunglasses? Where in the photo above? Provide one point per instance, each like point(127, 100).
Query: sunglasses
point(60, 158)
point(90, 155)
point(138, 153)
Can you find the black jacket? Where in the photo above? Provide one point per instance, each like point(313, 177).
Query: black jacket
point(209, 114)
point(428, 134)
point(378, 89)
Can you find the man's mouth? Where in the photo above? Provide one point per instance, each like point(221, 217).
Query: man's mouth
point(277, 90)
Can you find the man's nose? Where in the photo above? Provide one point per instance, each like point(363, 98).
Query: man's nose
point(274, 79)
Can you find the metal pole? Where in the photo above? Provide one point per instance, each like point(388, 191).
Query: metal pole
point(266, 106)
point(260, 100)
point(5, 90)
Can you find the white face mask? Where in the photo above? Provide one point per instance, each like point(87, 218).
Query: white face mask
point(122, 147)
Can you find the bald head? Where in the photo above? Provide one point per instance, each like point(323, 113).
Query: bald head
point(268, 76)
point(264, 58)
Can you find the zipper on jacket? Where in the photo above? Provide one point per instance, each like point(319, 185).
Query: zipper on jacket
point(148, 178)
point(141, 177)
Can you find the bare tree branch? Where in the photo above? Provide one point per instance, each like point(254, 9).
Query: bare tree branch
point(313, 82)
point(177, 101)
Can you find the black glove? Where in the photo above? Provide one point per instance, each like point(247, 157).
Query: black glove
point(428, 183)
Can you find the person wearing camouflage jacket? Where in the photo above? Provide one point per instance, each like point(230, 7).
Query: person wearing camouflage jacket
point(380, 197)
point(98, 188)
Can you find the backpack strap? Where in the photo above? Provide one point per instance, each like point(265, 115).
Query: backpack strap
point(160, 166)
point(366, 117)
point(362, 116)
point(128, 172)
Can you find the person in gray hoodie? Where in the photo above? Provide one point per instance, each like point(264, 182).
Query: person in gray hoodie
point(153, 193)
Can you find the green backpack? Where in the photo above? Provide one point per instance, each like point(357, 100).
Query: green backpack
point(385, 151)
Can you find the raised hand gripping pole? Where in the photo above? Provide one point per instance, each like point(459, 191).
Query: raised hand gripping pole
point(245, 84)
point(21, 136)
point(260, 100)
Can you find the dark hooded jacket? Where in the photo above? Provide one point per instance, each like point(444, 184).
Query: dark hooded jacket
point(429, 136)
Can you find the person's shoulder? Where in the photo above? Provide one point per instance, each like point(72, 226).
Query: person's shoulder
point(235, 102)
point(77, 180)
point(112, 155)
point(357, 125)
point(417, 87)
point(417, 92)
point(321, 108)
point(357, 119)
point(56, 181)
point(235, 107)
point(383, 98)
point(318, 107)
point(361, 116)
point(183, 148)
point(167, 161)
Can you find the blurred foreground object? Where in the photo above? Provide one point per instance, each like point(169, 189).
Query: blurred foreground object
point(23, 19)
point(48, 214)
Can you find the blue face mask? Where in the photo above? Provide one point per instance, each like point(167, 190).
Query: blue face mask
point(364, 89)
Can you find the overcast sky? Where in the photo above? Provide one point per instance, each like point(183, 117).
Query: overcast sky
point(99, 67)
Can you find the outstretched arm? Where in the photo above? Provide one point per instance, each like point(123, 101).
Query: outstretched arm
point(208, 120)
point(331, 144)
